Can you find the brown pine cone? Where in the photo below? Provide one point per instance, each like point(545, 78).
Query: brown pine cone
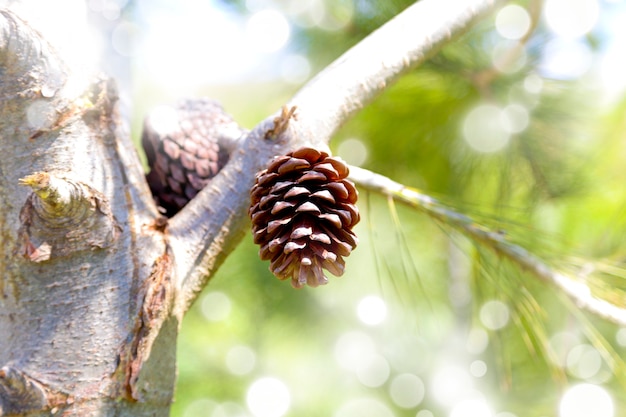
point(186, 146)
point(303, 209)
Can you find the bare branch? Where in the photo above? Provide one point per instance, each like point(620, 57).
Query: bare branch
point(576, 290)
point(210, 226)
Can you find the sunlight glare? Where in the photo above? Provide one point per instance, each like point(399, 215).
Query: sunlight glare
point(372, 310)
point(584, 400)
point(472, 407)
point(164, 119)
point(268, 397)
point(565, 59)
point(123, 38)
point(67, 29)
point(450, 383)
point(268, 30)
point(571, 18)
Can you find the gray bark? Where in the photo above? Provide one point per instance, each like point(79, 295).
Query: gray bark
point(94, 283)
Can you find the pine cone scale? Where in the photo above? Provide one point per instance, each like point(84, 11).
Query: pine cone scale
point(302, 211)
point(185, 155)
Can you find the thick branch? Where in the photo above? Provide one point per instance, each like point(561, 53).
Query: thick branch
point(576, 290)
point(208, 228)
point(82, 270)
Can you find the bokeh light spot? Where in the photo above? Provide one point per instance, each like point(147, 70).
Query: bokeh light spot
point(363, 407)
point(571, 18)
point(478, 368)
point(494, 315)
point(477, 341)
point(484, 129)
point(228, 409)
point(561, 343)
point(584, 400)
point(199, 407)
point(472, 407)
point(517, 118)
point(584, 361)
point(507, 57)
point(449, 383)
point(424, 413)
point(375, 373)
point(407, 390)
point(354, 350)
point(215, 306)
point(533, 83)
point(268, 397)
point(240, 360)
point(512, 22)
point(268, 30)
point(353, 151)
point(372, 310)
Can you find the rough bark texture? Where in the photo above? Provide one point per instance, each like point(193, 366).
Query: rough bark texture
point(79, 258)
point(94, 281)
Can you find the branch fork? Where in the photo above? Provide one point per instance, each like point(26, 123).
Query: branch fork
point(63, 216)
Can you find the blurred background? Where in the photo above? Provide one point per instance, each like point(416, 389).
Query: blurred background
point(519, 124)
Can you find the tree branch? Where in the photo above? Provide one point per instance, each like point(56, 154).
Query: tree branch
point(211, 225)
point(403, 43)
point(82, 268)
point(576, 290)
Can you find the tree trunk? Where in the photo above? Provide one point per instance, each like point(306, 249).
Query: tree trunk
point(94, 281)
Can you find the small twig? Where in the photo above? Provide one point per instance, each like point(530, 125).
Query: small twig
point(576, 290)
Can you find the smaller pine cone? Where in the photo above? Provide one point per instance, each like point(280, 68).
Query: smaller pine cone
point(303, 209)
point(184, 157)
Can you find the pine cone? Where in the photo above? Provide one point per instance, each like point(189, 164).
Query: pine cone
point(185, 149)
point(302, 210)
